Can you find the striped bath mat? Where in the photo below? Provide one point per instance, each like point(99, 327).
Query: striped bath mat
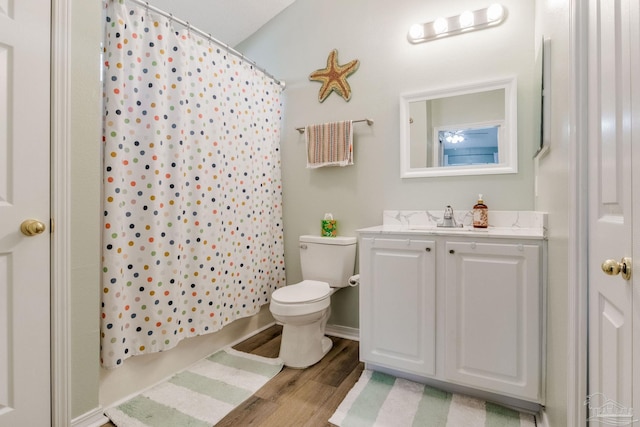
point(199, 396)
point(382, 400)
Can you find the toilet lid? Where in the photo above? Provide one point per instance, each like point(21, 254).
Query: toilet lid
point(305, 291)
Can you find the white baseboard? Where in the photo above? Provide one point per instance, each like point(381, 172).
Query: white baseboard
point(95, 418)
point(339, 331)
point(343, 332)
point(252, 333)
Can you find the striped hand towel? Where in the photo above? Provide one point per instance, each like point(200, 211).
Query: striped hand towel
point(329, 144)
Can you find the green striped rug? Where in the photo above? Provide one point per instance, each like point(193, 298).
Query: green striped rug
point(199, 396)
point(382, 400)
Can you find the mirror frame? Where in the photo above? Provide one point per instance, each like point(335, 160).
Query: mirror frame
point(508, 148)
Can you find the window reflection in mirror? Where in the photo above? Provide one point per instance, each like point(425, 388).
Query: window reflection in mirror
point(459, 146)
point(454, 113)
point(466, 130)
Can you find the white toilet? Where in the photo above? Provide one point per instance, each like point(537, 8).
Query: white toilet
point(304, 308)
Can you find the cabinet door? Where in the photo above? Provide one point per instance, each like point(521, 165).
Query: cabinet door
point(397, 304)
point(493, 320)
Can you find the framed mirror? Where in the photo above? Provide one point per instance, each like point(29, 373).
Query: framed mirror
point(463, 130)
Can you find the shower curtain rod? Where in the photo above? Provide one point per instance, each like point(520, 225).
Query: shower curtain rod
point(207, 36)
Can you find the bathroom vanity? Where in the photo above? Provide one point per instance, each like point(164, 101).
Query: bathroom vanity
point(457, 307)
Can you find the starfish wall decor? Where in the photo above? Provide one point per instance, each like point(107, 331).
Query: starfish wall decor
point(334, 77)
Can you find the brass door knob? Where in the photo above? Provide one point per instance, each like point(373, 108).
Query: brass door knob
point(31, 227)
point(613, 267)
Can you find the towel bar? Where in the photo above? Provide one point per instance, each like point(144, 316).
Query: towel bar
point(369, 122)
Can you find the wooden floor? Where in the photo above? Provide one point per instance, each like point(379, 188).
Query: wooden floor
point(296, 397)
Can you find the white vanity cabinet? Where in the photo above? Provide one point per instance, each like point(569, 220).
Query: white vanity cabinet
point(492, 337)
point(397, 303)
point(462, 310)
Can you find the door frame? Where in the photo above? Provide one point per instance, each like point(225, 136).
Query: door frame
point(577, 347)
point(60, 144)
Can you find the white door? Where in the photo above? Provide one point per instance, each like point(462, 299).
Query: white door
point(24, 194)
point(613, 77)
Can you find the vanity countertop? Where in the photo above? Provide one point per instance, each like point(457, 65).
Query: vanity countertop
point(502, 224)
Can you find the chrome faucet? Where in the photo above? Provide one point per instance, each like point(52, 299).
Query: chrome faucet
point(449, 220)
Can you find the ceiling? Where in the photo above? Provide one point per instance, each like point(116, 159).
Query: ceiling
point(229, 21)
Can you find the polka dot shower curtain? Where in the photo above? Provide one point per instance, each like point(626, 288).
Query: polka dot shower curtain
point(193, 234)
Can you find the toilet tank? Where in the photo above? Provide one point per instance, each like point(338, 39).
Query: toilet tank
point(328, 259)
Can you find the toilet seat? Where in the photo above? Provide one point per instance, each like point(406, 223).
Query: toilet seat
point(306, 297)
point(306, 291)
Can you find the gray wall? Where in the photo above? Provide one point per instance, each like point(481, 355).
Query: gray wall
point(553, 21)
point(298, 41)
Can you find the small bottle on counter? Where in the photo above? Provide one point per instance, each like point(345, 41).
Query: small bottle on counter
point(480, 214)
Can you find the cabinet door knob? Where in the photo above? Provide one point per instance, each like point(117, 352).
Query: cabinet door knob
point(428, 249)
point(451, 251)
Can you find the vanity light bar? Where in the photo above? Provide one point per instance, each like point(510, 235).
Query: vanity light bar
point(466, 21)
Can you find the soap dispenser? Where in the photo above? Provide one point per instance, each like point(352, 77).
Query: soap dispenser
point(480, 214)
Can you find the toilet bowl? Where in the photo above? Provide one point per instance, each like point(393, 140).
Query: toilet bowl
point(304, 308)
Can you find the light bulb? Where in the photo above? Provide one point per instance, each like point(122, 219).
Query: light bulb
point(416, 31)
point(440, 25)
point(466, 19)
point(495, 12)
